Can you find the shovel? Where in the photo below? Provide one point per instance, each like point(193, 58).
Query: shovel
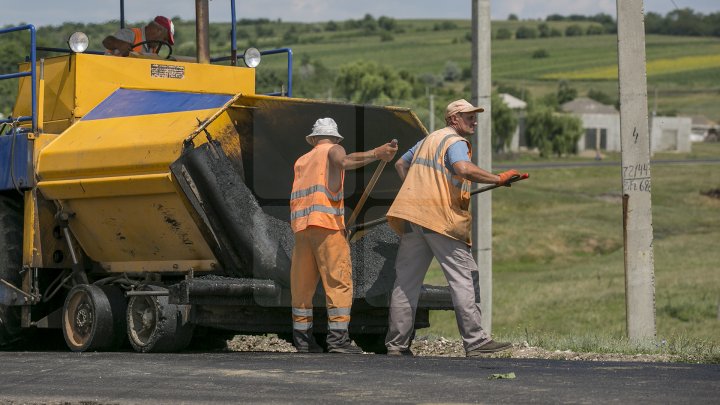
point(354, 228)
point(368, 189)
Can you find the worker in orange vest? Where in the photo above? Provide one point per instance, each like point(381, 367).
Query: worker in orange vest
point(431, 214)
point(121, 42)
point(321, 251)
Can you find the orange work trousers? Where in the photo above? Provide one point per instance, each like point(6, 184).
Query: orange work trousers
point(324, 254)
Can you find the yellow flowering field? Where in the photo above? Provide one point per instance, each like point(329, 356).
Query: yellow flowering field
point(654, 67)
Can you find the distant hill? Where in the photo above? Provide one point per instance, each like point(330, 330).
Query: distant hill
point(683, 71)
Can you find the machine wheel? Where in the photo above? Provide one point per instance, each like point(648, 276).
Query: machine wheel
point(11, 234)
point(154, 325)
point(371, 342)
point(92, 316)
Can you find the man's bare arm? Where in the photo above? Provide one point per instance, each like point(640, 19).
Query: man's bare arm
point(469, 171)
point(359, 159)
point(123, 48)
point(402, 166)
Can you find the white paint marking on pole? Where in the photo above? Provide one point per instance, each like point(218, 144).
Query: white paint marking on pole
point(482, 154)
point(636, 180)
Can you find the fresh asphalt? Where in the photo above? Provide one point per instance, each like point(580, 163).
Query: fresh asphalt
point(243, 377)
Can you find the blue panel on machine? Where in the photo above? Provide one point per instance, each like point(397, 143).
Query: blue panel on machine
point(128, 103)
point(15, 171)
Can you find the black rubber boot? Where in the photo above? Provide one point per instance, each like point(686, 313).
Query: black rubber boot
point(304, 342)
point(338, 341)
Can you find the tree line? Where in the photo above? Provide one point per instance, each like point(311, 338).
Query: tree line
point(364, 82)
point(683, 22)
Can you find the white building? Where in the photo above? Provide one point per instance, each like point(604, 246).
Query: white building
point(670, 134)
point(602, 128)
point(701, 127)
point(601, 123)
point(518, 106)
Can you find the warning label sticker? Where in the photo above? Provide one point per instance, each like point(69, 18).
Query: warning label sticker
point(167, 71)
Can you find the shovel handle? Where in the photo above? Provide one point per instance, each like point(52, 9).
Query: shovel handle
point(368, 189)
point(352, 229)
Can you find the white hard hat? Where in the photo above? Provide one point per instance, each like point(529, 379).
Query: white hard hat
point(324, 127)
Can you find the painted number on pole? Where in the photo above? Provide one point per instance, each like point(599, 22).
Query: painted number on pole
point(636, 177)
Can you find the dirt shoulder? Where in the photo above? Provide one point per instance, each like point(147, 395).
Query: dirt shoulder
point(442, 347)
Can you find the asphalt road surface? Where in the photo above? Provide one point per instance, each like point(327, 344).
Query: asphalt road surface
point(124, 378)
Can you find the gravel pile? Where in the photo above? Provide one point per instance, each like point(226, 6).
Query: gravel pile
point(250, 343)
point(373, 260)
point(442, 347)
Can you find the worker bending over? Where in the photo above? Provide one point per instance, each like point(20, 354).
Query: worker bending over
point(321, 250)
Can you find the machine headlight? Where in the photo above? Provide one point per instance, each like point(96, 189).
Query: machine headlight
point(252, 57)
point(78, 42)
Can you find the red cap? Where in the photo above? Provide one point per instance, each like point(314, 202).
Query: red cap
point(168, 24)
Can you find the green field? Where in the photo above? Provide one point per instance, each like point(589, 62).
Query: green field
point(558, 266)
point(683, 72)
point(690, 88)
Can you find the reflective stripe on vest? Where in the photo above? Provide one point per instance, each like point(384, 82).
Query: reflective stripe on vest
point(316, 189)
point(312, 203)
point(438, 163)
point(431, 196)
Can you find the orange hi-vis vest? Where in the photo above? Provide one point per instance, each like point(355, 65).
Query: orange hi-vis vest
point(431, 196)
point(312, 203)
point(138, 38)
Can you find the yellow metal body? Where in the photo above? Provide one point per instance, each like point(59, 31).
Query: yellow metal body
point(112, 174)
point(75, 84)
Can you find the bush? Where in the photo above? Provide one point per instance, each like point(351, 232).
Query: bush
point(524, 32)
point(387, 23)
point(594, 30)
point(503, 123)
point(540, 54)
point(573, 31)
point(552, 133)
point(332, 26)
point(512, 90)
point(452, 72)
point(544, 30)
point(503, 33)
point(386, 36)
point(365, 82)
point(600, 97)
point(445, 26)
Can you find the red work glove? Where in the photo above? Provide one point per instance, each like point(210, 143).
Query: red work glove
point(505, 176)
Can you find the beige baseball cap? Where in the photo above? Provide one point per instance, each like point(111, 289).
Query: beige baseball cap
point(459, 106)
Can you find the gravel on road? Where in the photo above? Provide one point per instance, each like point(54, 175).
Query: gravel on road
point(443, 347)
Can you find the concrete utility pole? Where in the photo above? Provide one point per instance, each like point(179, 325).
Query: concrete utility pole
point(482, 154)
point(635, 140)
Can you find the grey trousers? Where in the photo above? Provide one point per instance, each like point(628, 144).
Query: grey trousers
point(416, 251)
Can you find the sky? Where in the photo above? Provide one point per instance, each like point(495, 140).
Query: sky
point(55, 12)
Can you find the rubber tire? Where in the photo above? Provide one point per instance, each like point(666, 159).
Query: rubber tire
point(118, 306)
point(89, 303)
point(11, 236)
point(166, 333)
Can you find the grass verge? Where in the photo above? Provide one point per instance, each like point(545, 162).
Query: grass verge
point(558, 263)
